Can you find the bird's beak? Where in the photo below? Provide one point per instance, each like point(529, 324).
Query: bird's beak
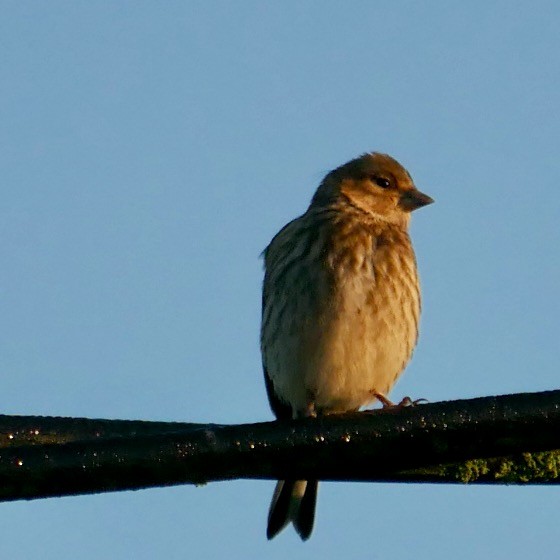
point(413, 199)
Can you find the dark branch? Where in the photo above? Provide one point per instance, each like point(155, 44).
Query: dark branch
point(447, 441)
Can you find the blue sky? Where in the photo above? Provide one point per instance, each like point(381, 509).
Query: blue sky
point(150, 150)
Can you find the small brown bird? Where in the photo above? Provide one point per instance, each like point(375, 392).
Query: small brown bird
point(341, 305)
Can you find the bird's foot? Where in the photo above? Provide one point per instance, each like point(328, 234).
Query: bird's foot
point(386, 403)
point(407, 401)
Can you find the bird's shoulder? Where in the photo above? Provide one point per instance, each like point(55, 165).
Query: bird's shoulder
point(312, 226)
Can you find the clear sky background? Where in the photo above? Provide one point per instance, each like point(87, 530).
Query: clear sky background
point(150, 150)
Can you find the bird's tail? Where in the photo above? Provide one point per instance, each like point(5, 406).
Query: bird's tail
point(293, 500)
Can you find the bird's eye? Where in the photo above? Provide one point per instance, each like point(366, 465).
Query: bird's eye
point(382, 182)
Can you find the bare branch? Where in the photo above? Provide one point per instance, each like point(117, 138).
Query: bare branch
point(440, 442)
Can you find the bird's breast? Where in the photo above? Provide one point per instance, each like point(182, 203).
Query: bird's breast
point(347, 321)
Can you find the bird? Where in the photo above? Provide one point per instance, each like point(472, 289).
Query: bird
point(340, 306)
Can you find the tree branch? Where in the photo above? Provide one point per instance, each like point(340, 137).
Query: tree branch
point(510, 439)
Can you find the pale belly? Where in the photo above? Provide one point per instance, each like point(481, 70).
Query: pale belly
point(337, 359)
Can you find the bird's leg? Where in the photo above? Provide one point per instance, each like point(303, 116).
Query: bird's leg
point(310, 411)
point(383, 399)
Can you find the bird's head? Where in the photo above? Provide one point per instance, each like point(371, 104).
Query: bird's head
point(375, 184)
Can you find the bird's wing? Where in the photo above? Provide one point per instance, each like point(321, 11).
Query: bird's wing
point(281, 410)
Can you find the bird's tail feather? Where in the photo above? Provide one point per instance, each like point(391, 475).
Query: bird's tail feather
point(293, 500)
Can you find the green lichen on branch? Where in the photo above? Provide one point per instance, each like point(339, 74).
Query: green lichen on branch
point(469, 471)
point(526, 468)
